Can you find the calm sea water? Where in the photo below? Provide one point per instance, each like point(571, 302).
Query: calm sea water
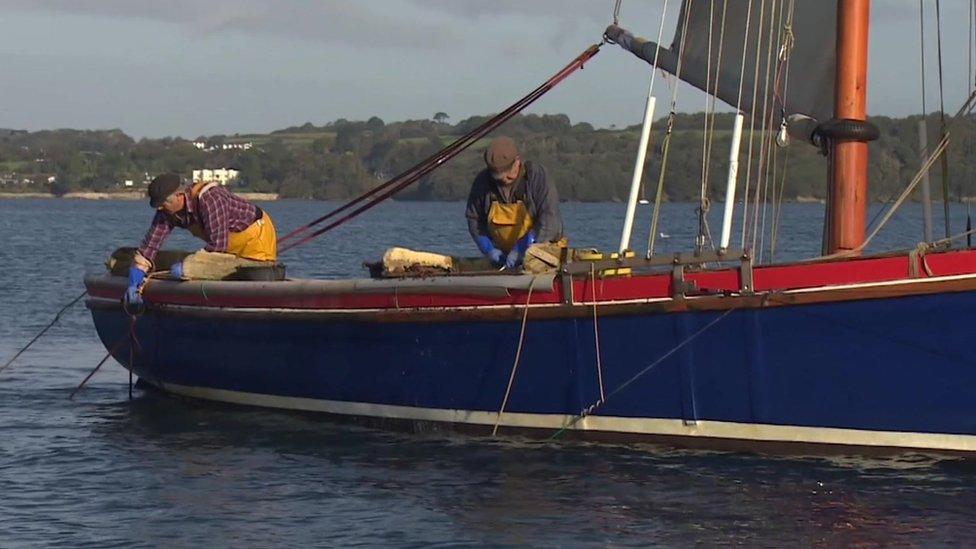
point(159, 471)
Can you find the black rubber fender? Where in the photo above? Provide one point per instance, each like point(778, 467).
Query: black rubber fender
point(848, 129)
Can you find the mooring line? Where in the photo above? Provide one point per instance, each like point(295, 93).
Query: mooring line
point(57, 317)
point(133, 347)
point(592, 408)
point(518, 356)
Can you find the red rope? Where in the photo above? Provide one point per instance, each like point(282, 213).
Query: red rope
point(431, 163)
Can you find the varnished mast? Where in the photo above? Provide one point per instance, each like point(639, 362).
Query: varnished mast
point(849, 154)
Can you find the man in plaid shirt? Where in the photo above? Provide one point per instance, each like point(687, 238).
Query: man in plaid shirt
point(225, 222)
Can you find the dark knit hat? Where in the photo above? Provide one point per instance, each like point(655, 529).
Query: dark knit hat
point(500, 154)
point(161, 187)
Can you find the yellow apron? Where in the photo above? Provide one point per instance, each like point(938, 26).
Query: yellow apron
point(259, 241)
point(507, 223)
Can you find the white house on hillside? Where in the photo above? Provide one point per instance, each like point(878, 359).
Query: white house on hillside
point(220, 175)
point(239, 146)
point(226, 146)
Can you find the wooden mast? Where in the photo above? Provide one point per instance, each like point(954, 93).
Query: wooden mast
point(849, 157)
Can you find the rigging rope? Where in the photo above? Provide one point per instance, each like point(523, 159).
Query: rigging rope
point(518, 356)
point(784, 70)
point(778, 207)
point(700, 237)
point(711, 129)
point(942, 121)
point(742, 66)
point(592, 408)
point(764, 141)
point(923, 134)
point(708, 135)
point(921, 24)
point(784, 40)
point(666, 145)
point(969, 51)
point(412, 175)
point(752, 123)
point(657, 52)
point(596, 330)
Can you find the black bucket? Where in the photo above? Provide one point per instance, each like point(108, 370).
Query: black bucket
point(259, 273)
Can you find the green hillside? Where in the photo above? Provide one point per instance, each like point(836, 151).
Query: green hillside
point(342, 158)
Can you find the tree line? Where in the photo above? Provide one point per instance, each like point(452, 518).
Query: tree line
point(343, 158)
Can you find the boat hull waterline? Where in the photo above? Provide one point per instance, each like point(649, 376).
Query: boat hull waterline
point(887, 372)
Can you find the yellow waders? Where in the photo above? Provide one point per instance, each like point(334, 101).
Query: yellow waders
point(259, 241)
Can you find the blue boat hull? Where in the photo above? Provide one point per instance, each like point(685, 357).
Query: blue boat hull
point(890, 372)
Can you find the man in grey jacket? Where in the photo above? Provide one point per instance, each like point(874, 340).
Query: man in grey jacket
point(511, 206)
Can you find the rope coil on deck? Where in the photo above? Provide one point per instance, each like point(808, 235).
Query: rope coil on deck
point(916, 257)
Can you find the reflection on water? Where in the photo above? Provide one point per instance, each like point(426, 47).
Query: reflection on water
point(159, 470)
point(308, 479)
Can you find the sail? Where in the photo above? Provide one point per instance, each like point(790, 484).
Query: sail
point(805, 83)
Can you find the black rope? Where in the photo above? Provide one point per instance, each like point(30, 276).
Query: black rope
point(133, 347)
point(57, 317)
point(969, 225)
point(413, 174)
point(942, 121)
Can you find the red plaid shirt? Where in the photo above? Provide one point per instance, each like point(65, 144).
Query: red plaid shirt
point(217, 211)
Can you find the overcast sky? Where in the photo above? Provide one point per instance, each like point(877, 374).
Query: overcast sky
point(201, 67)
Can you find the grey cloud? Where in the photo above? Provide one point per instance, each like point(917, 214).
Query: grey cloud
point(553, 10)
point(357, 23)
point(432, 24)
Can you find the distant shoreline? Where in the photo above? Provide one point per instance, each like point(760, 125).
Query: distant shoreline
point(267, 197)
point(121, 196)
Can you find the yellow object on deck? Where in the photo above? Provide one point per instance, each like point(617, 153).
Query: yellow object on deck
point(594, 255)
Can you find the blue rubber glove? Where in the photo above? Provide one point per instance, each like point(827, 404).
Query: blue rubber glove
point(495, 255)
point(488, 248)
point(515, 256)
point(136, 277)
point(176, 270)
point(524, 242)
point(484, 244)
point(512, 259)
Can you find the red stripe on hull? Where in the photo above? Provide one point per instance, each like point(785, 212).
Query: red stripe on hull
point(642, 286)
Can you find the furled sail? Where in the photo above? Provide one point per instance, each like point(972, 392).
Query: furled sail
point(804, 36)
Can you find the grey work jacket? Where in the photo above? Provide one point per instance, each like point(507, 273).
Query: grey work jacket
point(541, 200)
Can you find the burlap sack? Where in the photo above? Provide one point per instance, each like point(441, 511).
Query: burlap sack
point(204, 265)
point(542, 258)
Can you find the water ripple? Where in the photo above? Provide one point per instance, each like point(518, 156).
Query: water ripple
point(162, 471)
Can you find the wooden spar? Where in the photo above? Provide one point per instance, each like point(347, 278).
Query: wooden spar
point(848, 157)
